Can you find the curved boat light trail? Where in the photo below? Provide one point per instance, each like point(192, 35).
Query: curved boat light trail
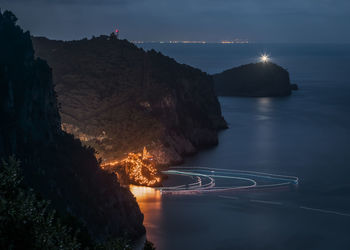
point(206, 179)
point(240, 180)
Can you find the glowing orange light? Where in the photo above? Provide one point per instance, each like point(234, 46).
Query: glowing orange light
point(138, 168)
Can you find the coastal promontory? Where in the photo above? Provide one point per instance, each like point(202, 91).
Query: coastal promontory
point(119, 99)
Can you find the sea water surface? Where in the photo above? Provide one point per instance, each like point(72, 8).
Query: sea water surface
point(305, 135)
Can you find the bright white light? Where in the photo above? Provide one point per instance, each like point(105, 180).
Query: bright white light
point(264, 58)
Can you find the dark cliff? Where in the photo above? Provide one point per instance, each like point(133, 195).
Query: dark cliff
point(119, 98)
point(54, 163)
point(254, 80)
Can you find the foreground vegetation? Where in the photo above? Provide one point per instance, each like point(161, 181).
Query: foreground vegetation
point(29, 222)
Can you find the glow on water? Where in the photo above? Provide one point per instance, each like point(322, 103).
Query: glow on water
point(150, 203)
point(143, 193)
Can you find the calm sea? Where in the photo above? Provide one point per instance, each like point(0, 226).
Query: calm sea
point(305, 135)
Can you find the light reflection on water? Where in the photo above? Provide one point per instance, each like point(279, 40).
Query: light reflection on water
point(150, 203)
point(264, 104)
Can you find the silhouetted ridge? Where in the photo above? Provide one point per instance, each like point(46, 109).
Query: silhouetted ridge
point(54, 163)
point(28, 105)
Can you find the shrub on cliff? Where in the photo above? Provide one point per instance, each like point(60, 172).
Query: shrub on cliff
point(27, 222)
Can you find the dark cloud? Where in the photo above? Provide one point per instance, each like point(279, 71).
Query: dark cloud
point(256, 20)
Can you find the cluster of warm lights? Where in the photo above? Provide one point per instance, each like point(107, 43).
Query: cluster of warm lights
point(139, 168)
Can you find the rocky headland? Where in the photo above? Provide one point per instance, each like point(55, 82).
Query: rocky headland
point(264, 79)
point(119, 99)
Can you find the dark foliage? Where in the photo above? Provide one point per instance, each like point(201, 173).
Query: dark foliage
point(29, 222)
point(149, 246)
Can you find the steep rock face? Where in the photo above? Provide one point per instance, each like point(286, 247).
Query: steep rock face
point(28, 105)
point(119, 98)
point(255, 80)
point(54, 163)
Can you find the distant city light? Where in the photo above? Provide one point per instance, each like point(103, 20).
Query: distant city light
point(235, 41)
point(264, 58)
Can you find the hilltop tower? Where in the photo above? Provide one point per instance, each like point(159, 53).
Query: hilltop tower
point(117, 33)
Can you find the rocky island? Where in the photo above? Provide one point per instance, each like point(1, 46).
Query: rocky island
point(119, 99)
point(264, 79)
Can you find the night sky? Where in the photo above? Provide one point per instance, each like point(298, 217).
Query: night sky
point(212, 20)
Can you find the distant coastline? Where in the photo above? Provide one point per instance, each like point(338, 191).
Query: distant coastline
point(235, 41)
